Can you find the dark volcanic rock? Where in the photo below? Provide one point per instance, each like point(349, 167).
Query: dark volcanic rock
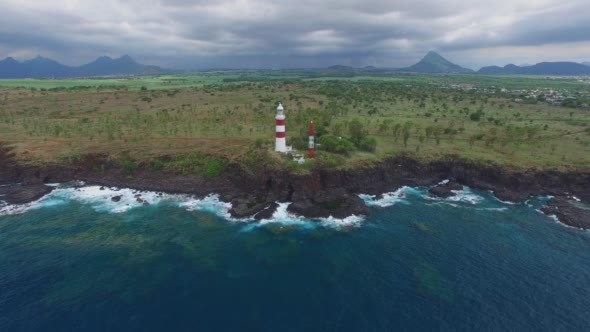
point(445, 190)
point(568, 213)
point(511, 195)
point(267, 212)
point(116, 198)
point(140, 200)
point(20, 194)
point(243, 207)
point(335, 203)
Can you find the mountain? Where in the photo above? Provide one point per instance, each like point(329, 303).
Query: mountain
point(44, 67)
point(506, 70)
point(586, 63)
point(542, 68)
point(124, 65)
point(435, 63)
point(10, 68)
point(40, 67)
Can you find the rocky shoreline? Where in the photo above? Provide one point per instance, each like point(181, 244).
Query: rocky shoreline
point(320, 193)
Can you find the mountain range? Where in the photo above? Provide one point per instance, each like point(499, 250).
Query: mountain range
point(41, 67)
point(543, 68)
point(434, 63)
point(431, 63)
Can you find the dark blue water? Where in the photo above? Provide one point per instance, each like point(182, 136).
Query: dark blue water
point(76, 261)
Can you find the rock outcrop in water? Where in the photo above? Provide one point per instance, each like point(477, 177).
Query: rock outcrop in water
point(20, 194)
point(445, 190)
point(568, 211)
point(320, 193)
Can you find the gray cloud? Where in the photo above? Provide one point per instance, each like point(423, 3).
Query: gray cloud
point(265, 33)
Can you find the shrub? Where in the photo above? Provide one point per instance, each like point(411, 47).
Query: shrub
point(475, 116)
point(368, 144)
point(126, 163)
point(259, 143)
point(329, 159)
point(214, 166)
point(196, 163)
point(335, 144)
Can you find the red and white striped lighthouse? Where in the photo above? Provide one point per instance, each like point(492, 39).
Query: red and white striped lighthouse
point(280, 143)
point(311, 146)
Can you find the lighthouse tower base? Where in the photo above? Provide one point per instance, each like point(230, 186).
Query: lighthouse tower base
point(280, 144)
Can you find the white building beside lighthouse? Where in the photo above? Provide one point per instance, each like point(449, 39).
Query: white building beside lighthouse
point(280, 140)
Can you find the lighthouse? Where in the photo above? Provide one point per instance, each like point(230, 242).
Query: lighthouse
point(280, 143)
point(311, 143)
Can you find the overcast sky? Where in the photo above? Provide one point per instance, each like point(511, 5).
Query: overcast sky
point(296, 33)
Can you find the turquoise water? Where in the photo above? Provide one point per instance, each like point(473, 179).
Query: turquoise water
point(78, 261)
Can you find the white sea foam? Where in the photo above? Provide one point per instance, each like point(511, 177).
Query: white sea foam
point(350, 221)
point(7, 209)
point(283, 217)
point(387, 199)
point(464, 195)
point(100, 199)
point(210, 203)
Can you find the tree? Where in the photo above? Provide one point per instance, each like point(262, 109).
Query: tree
point(475, 116)
point(406, 137)
point(357, 131)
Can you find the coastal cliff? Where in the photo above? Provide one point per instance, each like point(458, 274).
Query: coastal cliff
point(321, 192)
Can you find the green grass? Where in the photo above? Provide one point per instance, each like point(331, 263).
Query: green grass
point(221, 116)
point(196, 163)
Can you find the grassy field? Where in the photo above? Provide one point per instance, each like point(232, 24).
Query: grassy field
point(230, 114)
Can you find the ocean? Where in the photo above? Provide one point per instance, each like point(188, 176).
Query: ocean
point(77, 261)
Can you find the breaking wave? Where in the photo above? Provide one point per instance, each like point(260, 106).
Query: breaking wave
point(390, 198)
point(120, 200)
point(464, 195)
point(283, 217)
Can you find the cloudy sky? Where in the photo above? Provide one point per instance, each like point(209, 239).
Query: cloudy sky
point(296, 33)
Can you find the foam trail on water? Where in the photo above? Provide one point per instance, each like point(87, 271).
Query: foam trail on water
point(500, 209)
